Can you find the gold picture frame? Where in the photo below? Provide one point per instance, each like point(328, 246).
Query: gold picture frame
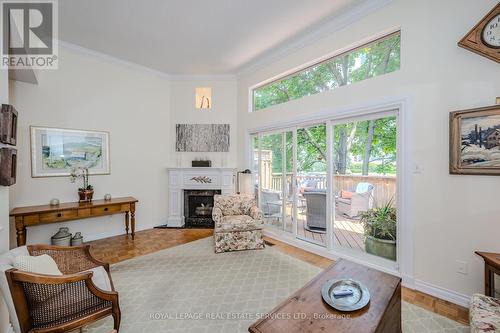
point(54, 151)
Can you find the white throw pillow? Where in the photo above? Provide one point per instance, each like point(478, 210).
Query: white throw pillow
point(43, 264)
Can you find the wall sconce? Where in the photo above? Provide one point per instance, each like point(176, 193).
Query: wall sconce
point(203, 98)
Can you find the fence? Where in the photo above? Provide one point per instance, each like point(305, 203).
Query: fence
point(384, 186)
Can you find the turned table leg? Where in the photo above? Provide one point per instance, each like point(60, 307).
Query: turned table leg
point(21, 235)
point(127, 219)
point(132, 221)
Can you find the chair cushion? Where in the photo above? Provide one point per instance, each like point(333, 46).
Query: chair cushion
point(42, 264)
point(346, 194)
point(238, 223)
point(6, 263)
point(484, 314)
point(101, 278)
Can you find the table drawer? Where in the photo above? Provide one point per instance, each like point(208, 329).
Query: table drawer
point(58, 216)
point(105, 210)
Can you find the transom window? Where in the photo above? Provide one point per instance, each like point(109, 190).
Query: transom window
point(372, 59)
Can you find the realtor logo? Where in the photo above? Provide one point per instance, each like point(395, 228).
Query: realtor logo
point(29, 34)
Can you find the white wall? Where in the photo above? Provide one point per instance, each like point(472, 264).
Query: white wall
point(452, 215)
point(223, 111)
point(89, 92)
point(4, 204)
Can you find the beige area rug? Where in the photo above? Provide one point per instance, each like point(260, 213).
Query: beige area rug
point(190, 289)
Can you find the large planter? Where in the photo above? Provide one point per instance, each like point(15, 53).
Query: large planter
point(381, 247)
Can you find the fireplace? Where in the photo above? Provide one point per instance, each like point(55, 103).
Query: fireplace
point(198, 206)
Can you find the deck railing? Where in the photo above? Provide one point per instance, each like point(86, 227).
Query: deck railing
point(384, 186)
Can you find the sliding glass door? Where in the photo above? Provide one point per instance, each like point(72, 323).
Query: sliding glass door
point(273, 155)
point(332, 184)
point(364, 180)
point(312, 184)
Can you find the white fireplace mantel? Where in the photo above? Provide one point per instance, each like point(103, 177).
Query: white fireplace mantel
point(180, 179)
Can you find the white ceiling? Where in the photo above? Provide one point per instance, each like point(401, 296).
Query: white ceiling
point(193, 37)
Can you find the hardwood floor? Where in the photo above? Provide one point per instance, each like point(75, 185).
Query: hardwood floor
point(119, 248)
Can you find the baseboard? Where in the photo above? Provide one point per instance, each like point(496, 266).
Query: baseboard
point(442, 293)
point(408, 281)
point(92, 237)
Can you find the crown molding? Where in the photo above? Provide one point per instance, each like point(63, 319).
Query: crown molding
point(173, 77)
point(208, 77)
point(83, 50)
point(337, 23)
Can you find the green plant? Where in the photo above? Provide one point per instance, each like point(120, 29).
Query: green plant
point(380, 222)
point(83, 173)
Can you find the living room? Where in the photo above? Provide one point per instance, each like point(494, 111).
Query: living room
point(355, 133)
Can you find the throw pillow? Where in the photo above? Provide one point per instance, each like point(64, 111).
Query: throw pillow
point(43, 264)
point(346, 195)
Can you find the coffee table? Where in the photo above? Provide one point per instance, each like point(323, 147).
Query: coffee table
point(305, 311)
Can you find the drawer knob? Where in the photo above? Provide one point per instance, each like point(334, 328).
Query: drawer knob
point(106, 209)
point(59, 214)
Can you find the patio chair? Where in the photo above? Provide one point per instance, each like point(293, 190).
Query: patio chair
point(316, 210)
point(269, 200)
point(359, 201)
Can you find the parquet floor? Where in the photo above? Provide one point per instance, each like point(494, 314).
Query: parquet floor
point(119, 248)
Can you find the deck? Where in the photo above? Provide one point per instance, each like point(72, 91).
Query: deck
point(347, 232)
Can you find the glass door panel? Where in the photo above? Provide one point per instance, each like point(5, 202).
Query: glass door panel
point(271, 178)
point(364, 182)
point(311, 184)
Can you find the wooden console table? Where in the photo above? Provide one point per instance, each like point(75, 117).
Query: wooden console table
point(491, 267)
point(68, 211)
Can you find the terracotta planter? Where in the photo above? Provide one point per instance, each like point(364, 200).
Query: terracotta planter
point(85, 195)
point(381, 247)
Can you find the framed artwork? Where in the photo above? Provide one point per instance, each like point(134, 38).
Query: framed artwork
point(202, 137)
point(54, 151)
point(475, 141)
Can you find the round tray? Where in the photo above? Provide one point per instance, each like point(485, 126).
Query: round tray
point(359, 299)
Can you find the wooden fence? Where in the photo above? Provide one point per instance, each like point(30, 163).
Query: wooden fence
point(384, 186)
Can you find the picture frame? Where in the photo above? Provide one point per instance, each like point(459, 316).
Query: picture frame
point(475, 141)
point(54, 151)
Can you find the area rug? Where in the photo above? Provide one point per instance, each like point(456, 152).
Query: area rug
point(190, 289)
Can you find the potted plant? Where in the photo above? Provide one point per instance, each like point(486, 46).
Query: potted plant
point(86, 192)
point(380, 231)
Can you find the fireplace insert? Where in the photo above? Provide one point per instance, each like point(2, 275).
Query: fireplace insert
point(198, 205)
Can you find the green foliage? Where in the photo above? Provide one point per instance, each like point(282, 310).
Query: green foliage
point(374, 59)
point(380, 222)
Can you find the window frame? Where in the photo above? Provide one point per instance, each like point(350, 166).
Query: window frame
point(330, 56)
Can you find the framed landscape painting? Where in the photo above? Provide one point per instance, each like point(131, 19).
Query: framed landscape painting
point(475, 141)
point(54, 151)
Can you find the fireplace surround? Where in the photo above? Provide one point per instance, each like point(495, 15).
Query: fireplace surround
point(198, 206)
point(203, 179)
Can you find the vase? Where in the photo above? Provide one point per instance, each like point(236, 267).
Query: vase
point(85, 195)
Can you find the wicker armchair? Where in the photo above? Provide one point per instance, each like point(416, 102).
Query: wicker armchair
point(41, 303)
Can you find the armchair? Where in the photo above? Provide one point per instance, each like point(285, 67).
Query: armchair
point(58, 303)
point(238, 223)
point(360, 201)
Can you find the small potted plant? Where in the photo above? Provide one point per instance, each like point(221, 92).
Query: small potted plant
point(86, 192)
point(380, 231)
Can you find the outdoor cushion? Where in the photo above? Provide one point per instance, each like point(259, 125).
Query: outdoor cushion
point(346, 194)
point(484, 314)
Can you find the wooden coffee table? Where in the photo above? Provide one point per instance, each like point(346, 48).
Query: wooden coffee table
point(305, 311)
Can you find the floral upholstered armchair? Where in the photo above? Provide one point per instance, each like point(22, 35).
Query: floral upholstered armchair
point(484, 314)
point(238, 223)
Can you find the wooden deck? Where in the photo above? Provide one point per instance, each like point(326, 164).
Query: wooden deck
point(347, 232)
